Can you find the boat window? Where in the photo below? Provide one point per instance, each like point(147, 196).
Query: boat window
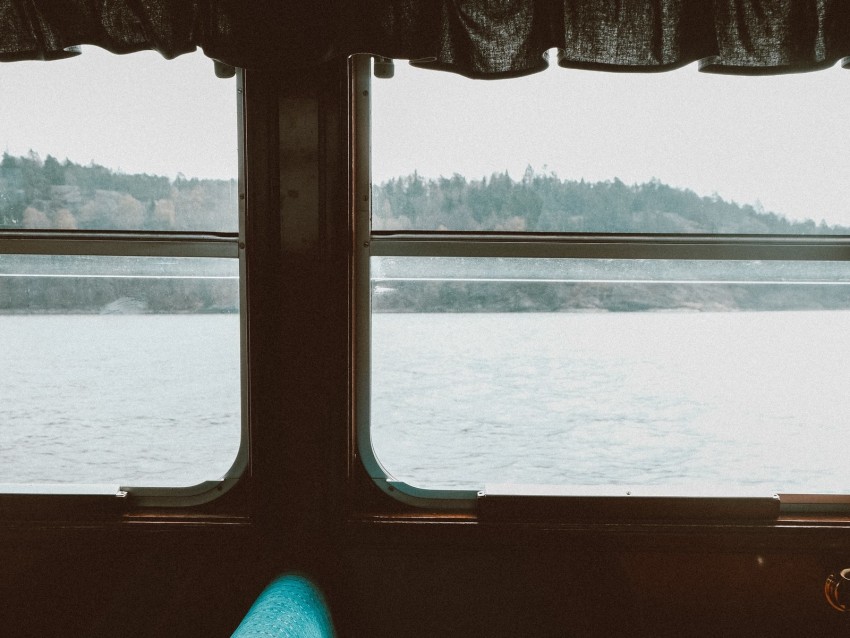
point(120, 323)
point(605, 284)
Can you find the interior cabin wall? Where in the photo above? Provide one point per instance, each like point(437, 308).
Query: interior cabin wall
point(94, 581)
point(566, 589)
point(305, 505)
point(80, 583)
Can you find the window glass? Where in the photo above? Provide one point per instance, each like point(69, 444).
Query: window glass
point(121, 350)
point(585, 151)
point(715, 374)
point(116, 372)
point(130, 142)
point(493, 360)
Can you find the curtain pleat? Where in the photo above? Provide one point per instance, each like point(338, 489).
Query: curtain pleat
point(635, 35)
point(478, 38)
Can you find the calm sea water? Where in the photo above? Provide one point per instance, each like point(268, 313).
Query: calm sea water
point(128, 399)
point(727, 399)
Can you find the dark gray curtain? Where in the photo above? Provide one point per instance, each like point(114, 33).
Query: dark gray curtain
point(478, 38)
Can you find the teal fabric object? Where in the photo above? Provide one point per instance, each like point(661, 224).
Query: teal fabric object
point(290, 607)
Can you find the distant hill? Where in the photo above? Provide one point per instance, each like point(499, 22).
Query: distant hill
point(44, 194)
point(546, 203)
point(36, 193)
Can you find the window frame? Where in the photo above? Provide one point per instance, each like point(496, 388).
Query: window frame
point(140, 243)
point(548, 502)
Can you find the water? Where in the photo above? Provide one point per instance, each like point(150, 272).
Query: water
point(127, 399)
point(724, 400)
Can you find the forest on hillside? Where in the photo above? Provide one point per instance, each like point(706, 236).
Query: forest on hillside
point(546, 203)
point(42, 194)
point(45, 194)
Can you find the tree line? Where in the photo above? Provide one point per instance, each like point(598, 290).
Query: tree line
point(546, 203)
point(42, 194)
point(47, 194)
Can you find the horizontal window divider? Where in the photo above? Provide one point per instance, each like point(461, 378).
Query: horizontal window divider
point(120, 243)
point(585, 246)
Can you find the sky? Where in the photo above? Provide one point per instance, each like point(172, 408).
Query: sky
point(136, 112)
point(781, 141)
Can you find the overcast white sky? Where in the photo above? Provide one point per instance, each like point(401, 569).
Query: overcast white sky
point(780, 140)
point(137, 112)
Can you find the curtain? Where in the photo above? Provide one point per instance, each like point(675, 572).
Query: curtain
point(477, 38)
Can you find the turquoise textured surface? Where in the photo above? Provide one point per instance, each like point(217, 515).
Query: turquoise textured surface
point(292, 607)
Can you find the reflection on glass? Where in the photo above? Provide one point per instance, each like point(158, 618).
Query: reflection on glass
point(70, 284)
point(482, 284)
